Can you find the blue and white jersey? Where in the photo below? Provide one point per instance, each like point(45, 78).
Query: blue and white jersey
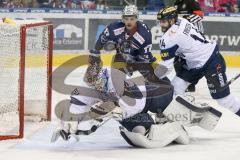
point(183, 39)
point(130, 106)
point(140, 40)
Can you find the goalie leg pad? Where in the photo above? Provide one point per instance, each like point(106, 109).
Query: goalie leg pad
point(159, 136)
point(189, 113)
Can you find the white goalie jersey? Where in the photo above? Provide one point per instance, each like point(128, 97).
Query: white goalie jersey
point(115, 81)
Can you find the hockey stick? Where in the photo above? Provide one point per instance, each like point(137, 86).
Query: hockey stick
point(233, 79)
point(66, 136)
point(93, 128)
point(228, 83)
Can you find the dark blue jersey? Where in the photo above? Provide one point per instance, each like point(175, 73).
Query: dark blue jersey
point(139, 43)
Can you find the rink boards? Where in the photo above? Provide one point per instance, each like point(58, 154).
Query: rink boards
point(58, 59)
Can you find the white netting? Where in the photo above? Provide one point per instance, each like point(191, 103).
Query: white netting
point(9, 77)
point(36, 71)
point(36, 75)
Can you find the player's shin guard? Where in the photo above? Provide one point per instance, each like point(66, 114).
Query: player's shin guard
point(179, 85)
point(190, 113)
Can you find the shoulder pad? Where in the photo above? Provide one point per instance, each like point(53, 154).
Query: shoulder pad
point(117, 27)
point(117, 24)
point(142, 27)
point(139, 38)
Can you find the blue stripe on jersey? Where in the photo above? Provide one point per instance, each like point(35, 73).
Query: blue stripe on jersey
point(169, 53)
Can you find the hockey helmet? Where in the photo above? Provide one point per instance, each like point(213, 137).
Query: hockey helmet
point(130, 10)
point(167, 13)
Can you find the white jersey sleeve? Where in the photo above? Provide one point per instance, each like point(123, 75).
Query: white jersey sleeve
point(184, 40)
point(130, 106)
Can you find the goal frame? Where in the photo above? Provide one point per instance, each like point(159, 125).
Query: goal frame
point(23, 32)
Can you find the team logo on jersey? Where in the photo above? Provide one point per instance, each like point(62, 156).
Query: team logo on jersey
point(118, 31)
point(139, 38)
point(164, 54)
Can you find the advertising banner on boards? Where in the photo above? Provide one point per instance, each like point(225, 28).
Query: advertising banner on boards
point(68, 33)
point(228, 40)
point(227, 34)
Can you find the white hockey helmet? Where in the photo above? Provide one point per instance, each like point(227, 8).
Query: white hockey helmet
point(130, 10)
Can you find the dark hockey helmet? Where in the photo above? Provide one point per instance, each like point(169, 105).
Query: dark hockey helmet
point(167, 13)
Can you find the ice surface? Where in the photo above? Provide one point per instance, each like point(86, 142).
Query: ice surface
point(221, 144)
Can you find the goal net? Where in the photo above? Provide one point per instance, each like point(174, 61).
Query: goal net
point(25, 74)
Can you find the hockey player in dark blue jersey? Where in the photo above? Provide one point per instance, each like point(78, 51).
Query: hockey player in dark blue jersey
point(132, 41)
point(132, 38)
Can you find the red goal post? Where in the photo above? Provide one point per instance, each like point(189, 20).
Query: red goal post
point(26, 66)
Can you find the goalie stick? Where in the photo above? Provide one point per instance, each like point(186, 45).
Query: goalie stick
point(93, 128)
point(66, 136)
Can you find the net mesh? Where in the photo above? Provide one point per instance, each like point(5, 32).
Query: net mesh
point(36, 75)
point(36, 71)
point(9, 77)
